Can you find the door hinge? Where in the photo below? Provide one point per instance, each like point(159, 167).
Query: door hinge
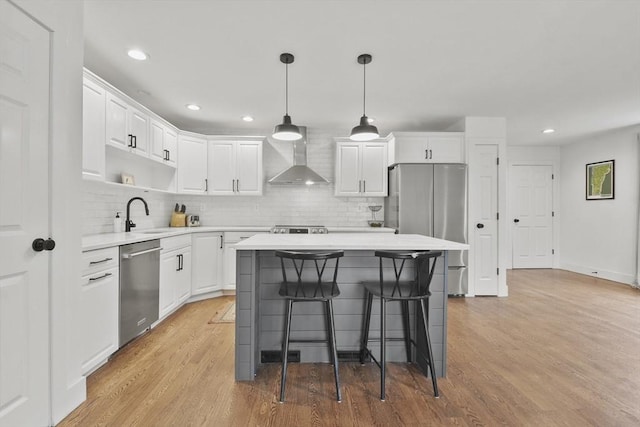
point(553, 251)
point(498, 271)
point(497, 160)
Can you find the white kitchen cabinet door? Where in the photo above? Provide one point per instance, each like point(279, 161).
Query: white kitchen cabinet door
point(229, 263)
point(139, 131)
point(192, 165)
point(93, 130)
point(156, 142)
point(361, 169)
point(235, 168)
point(222, 167)
point(374, 169)
point(184, 276)
point(171, 146)
point(98, 317)
point(206, 258)
point(116, 123)
point(249, 168)
point(446, 149)
point(348, 181)
point(169, 266)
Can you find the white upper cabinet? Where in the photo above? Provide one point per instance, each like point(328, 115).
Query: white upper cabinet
point(127, 127)
point(427, 147)
point(361, 168)
point(93, 130)
point(235, 167)
point(163, 143)
point(192, 165)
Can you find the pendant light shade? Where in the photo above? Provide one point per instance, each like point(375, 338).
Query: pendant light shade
point(364, 131)
point(286, 131)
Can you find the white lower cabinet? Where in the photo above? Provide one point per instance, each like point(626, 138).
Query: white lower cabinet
point(207, 259)
point(175, 273)
point(98, 307)
point(230, 239)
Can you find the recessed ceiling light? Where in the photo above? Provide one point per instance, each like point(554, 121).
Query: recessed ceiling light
point(247, 118)
point(193, 107)
point(137, 54)
point(548, 131)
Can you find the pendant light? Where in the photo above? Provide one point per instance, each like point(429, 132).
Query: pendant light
point(365, 131)
point(286, 131)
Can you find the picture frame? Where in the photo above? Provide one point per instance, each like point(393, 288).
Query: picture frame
point(128, 179)
point(600, 180)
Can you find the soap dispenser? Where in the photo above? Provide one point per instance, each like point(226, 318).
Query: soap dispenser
point(117, 223)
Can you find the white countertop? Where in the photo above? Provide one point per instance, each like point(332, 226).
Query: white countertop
point(347, 241)
point(106, 240)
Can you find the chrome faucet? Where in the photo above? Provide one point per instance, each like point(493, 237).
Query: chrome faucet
point(128, 224)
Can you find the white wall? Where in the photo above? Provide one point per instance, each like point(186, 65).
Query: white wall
point(280, 204)
point(64, 18)
point(599, 238)
point(532, 155)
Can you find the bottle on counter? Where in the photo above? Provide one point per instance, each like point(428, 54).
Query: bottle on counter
point(118, 225)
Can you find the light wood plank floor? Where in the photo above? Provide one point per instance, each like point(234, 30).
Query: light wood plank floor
point(562, 350)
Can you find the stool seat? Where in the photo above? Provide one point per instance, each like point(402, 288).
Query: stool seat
point(320, 289)
point(391, 290)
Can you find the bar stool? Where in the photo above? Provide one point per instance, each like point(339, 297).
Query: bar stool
point(309, 289)
point(403, 291)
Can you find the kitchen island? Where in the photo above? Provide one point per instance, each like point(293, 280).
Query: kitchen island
point(260, 311)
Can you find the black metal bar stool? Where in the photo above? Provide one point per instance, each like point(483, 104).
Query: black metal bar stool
point(309, 289)
point(403, 291)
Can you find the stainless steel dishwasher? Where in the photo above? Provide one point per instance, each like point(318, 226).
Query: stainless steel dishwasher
point(139, 288)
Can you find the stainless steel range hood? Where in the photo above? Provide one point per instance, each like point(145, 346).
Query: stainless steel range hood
point(299, 173)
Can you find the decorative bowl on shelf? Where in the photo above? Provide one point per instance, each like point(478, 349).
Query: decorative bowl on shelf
point(374, 223)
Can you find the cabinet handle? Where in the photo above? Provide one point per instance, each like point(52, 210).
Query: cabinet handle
point(430, 154)
point(237, 185)
point(100, 262)
point(179, 256)
point(181, 262)
point(131, 140)
point(426, 154)
point(359, 186)
point(221, 241)
point(168, 155)
point(105, 275)
point(135, 141)
point(206, 185)
point(364, 185)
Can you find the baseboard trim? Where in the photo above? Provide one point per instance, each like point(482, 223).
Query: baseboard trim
point(601, 274)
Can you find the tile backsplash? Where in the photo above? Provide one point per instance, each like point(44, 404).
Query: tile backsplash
point(279, 204)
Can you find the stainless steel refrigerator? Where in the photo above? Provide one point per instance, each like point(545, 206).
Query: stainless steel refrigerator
point(431, 199)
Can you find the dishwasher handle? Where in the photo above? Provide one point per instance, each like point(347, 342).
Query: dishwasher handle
point(135, 254)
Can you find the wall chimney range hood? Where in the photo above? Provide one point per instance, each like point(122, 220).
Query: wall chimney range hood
point(299, 173)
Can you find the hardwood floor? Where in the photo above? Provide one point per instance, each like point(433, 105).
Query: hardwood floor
point(562, 350)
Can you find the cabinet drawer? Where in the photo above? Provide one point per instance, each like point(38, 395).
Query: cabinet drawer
point(99, 259)
point(171, 243)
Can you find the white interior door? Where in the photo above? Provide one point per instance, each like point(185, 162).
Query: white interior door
point(531, 201)
point(24, 216)
point(485, 229)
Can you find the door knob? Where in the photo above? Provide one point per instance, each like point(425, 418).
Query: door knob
point(516, 220)
point(40, 245)
point(480, 225)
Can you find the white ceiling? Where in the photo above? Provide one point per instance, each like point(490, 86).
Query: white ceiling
point(570, 65)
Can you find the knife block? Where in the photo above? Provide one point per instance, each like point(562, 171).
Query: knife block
point(178, 220)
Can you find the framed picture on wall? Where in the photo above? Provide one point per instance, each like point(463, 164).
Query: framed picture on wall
point(600, 180)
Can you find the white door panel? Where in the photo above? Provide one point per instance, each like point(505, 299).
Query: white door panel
point(374, 171)
point(24, 216)
point(249, 168)
point(221, 167)
point(531, 192)
point(486, 221)
point(348, 164)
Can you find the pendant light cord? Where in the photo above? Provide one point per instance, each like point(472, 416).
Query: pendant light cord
point(364, 89)
point(286, 89)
